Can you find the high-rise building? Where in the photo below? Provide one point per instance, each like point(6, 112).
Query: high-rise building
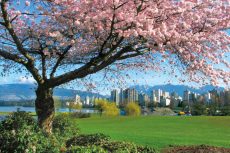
point(77, 99)
point(207, 98)
point(87, 100)
point(174, 95)
point(190, 97)
point(193, 97)
point(186, 96)
point(152, 96)
point(165, 101)
point(175, 99)
point(158, 94)
point(227, 98)
point(214, 96)
point(130, 95)
point(121, 98)
point(144, 99)
point(115, 96)
point(165, 94)
point(92, 101)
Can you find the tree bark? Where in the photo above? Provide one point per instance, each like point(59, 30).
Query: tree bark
point(44, 105)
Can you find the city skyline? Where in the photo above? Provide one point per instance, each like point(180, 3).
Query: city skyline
point(159, 98)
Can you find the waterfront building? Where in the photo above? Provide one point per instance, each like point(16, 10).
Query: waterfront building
point(165, 101)
point(115, 96)
point(87, 100)
point(186, 96)
point(78, 99)
point(158, 94)
point(130, 95)
point(144, 99)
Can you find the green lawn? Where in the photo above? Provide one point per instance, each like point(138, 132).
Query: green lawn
point(160, 132)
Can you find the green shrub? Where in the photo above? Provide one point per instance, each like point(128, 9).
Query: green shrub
point(120, 147)
point(198, 109)
point(84, 142)
point(133, 109)
point(17, 120)
point(62, 126)
point(107, 108)
point(126, 147)
point(19, 133)
point(88, 149)
point(225, 110)
point(87, 139)
point(145, 149)
point(111, 109)
point(80, 115)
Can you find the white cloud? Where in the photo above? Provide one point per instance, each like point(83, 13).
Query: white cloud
point(27, 80)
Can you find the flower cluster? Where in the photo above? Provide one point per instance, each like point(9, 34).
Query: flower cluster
point(189, 31)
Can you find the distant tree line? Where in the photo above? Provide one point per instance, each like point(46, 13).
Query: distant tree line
point(212, 109)
point(31, 103)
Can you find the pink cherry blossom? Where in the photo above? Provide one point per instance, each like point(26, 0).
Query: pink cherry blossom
point(189, 34)
point(27, 3)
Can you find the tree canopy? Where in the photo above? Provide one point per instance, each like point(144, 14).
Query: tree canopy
point(89, 35)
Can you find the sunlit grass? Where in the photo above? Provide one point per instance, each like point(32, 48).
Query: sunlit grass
point(161, 131)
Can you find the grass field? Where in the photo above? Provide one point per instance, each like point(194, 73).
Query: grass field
point(161, 132)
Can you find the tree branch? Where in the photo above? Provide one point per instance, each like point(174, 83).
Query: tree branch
point(11, 31)
point(12, 57)
point(61, 57)
point(30, 63)
point(88, 68)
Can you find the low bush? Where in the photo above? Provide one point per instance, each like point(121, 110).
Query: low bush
point(107, 108)
point(62, 126)
point(88, 149)
point(111, 109)
point(80, 115)
point(87, 139)
point(133, 109)
point(225, 110)
point(17, 120)
point(119, 147)
point(145, 149)
point(198, 109)
point(20, 133)
point(84, 142)
point(126, 147)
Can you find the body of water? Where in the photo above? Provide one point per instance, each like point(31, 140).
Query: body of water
point(32, 109)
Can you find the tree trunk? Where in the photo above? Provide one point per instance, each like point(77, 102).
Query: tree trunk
point(44, 105)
